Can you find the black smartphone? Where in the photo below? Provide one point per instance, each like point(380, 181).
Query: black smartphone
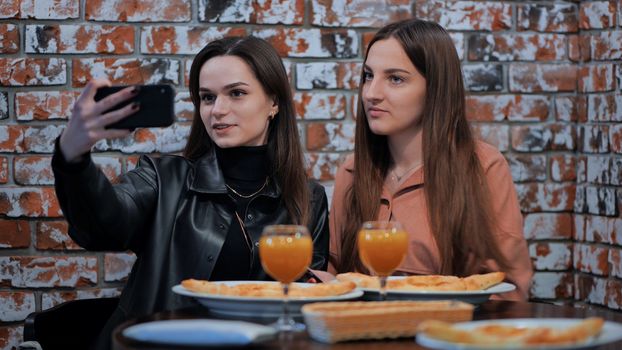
point(157, 106)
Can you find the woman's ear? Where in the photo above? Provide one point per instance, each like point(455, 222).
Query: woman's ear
point(275, 105)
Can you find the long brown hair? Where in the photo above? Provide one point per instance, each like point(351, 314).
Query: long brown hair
point(455, 187)
point(284, 150)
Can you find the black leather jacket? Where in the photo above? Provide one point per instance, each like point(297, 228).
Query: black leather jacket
point(174, 214)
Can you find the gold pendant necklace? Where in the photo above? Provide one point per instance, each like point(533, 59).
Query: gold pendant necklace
point(246, 196)
point(398, 178)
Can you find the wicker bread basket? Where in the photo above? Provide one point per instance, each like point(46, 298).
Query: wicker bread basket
point(332, 322)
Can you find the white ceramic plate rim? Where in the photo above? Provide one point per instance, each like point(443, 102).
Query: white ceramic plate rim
point(612, 331)
point(254, 332)
point(502, 287)
point(179, 289)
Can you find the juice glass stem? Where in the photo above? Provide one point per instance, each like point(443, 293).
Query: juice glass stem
point(383, 288)
point(285, 322)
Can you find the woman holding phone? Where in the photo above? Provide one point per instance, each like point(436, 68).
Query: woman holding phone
point(199, 215)
point(416, 162)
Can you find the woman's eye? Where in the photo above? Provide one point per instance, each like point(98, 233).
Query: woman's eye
point(238, 93)
point(367, 76)
point(396, 80)
point(208, 98)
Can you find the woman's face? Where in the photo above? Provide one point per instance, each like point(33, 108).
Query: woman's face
point(393, 89)
point(235, 109)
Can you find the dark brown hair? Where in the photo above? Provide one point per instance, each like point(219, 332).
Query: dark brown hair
point(284, 150)
point(455, 187)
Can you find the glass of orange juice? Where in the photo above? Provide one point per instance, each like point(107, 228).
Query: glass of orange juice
point(382, 247)
point(285, 252)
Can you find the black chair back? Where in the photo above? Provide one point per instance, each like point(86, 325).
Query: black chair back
point(71, 325)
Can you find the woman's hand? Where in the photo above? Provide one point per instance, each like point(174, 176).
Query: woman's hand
point(88, 121)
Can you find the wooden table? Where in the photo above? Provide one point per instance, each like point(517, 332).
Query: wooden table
point(486, 311)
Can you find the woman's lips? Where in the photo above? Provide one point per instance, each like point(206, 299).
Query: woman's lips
point(222, 128)
point(375, 112)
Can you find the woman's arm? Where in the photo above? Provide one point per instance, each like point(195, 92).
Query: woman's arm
point(343, 180)
point(103, 216)
point(508, 227)
point(319, 227)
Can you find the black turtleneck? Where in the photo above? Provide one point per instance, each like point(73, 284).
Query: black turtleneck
point(245, 170)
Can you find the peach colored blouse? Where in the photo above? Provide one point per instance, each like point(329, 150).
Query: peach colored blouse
point(408, 206)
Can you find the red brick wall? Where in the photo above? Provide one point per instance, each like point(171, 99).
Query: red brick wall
point(544, 81)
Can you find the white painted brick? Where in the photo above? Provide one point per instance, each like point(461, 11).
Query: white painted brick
point(72, 39)
point(14, 338)
point(183, 105)
point(40, 139)
point(188, 40)
point(55, 73)
point(234, 12)
point(14, 194)
point(579, 227)
point(48, 271)
point(170, 139)
point(341, 136)
point(544, 285)
point(118, 266)
point(598, 229)
point(458, 39)
point(54, 298)
point(544, 226)
point(594, 82)
point(547, 197)
point(50, 9)
point(615, 261)
point(56, 103)
point(590, 258)
point(598, 169)
point(600, 201)
point(4, 105)
point(456, 15)
point(16, 306)
point(558, 256)
point(323, 74)
point(595, 12)
point(313, 39)
point(357, 13)
point(318, 105)
point(323, 164)
point(597, 294)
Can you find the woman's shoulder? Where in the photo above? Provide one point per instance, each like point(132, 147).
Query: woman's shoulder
point(317, 192)
point(348, 163)
point(165, 160)
point(314, 185)
point(164, 164)
point(488, 154)
point(346, 168)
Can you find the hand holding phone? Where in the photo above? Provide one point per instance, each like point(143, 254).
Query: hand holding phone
point(157, 106)
point(95, 117)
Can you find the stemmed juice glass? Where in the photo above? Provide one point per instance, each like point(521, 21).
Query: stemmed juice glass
point(285, 252)
point(382, 247)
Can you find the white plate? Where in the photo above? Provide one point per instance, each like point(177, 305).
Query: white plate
point(611, 332)
point(200, 332)
point(468, 296)
point(257, 306)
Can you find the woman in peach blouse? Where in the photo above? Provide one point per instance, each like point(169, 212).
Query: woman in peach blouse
point(416, 161)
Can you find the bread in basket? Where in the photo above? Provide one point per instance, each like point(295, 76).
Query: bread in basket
point(331, 322)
